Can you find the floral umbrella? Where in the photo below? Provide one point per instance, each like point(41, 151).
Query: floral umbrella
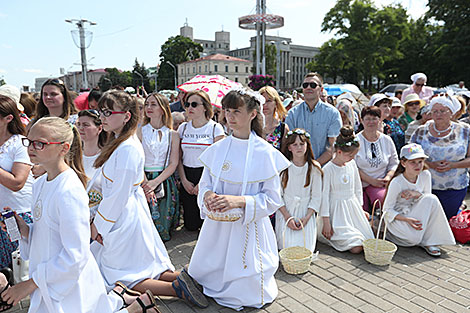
point(216, 87)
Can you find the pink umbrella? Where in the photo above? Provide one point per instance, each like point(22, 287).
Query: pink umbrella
point(216, 87)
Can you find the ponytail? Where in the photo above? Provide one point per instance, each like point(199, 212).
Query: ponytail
point(74, 157)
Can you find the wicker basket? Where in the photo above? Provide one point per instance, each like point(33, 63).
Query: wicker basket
point(232, 215)
point(295, 260)
point(379, 251)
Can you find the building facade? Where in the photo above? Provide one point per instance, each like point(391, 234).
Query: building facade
point(235, 69)
point(73, 80)
point(221, 44)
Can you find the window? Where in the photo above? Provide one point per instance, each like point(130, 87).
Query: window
point(236, 69)
point(219, 45)
point(226, 68)
point(246, 69)
point(194, 69)
point(207, 45)
point(246, 80)
point(205, 68)
point(199, 69)
point(236, 79)
point(216, 68)
point(182, 70)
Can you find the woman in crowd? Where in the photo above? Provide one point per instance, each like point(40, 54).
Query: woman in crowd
point(377, 158)
point(418, 87)
point(446, 143)
point(392, 127)
point(94, 138)
point(29, 104)
point(423, 116)
point(196, 136)
point(412, 105)
point(15, 178)
point(235, 261)
point(274, 114)
point(161, 149)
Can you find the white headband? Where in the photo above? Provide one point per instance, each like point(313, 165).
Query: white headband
point(447, 101)
point(417, 76)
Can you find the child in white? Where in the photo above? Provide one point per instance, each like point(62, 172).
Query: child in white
point(345, 224)
point(415, 216)
point(301, 193)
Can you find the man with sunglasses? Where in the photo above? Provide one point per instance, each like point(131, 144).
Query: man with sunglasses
point(418, 87)
point(320, 119)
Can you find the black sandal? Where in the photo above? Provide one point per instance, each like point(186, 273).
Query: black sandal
point(125, 291)
point(152, 305)
point(4, 306)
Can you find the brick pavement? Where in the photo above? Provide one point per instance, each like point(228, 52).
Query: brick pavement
point(343, 282)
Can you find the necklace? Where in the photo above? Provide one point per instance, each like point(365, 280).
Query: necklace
point(439, 132)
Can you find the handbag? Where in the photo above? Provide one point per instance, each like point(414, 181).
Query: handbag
point(159, 190)
point(20, 267)
point(460, 225)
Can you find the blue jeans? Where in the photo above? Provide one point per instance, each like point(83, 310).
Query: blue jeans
point(451, 200)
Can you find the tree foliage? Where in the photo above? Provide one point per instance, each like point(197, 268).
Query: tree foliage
point(137, 79)
point(176, 50)
point(115, 77)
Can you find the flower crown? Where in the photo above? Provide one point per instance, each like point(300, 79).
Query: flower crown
point(349, 143)
point(298, 131)
point(251, 93)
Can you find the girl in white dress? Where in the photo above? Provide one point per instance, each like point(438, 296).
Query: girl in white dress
point(301, 192)
point(126, 244)
point(64, 274)
point(414, 214)
point(345, 224)
point(235, 261)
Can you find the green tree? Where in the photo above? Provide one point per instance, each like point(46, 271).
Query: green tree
point(2, 81)
point(137, 79)
point(331, 61)
point(175, 50)
point(271, 57)
point(114, 77)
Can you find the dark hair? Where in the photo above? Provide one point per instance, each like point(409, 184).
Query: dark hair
point(68, 107)
point(398, 91)
point(371, 110)
point(94, 95)
point(7, 107)
point(61, 130)
point(116, 99)
point(346, 141)
point(309, 158)
point(235, 100)
point(206, 101)
point(95, 117)
point(29, 104)
point(162, 101)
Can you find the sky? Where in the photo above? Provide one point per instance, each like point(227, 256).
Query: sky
point(35, 40)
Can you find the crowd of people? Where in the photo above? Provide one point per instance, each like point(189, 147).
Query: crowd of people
point(98, 186)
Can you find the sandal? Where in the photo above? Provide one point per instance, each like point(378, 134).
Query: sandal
point(125, 291)
point(198, 286)
point(4, 306)
point(152, 305)
point(433, 250)
point(188, 289)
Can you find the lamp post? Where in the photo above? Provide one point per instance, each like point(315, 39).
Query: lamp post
point(82, 34)
point(174, 70)
point(141, 77)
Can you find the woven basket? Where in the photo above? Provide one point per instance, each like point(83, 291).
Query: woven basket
point(295, 260)
point(232, 215)
point(379, 251)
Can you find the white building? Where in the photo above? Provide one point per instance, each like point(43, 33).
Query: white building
point(235, 69)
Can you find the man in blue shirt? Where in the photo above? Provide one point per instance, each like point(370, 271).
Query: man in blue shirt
point(320, 119)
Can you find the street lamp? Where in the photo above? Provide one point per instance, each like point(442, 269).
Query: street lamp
point(278, 60)
point(141, 77)
point(174, 70)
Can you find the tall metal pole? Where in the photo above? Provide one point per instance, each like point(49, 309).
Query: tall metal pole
point(174, 70)
point(258, 33)
point(263, 39)
point(278, 64)
point(81, 31)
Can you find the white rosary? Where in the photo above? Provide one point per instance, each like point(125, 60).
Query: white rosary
point(439, 132)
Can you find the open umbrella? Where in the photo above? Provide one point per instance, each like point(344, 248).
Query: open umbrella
point(337, 89)
point(216, 87)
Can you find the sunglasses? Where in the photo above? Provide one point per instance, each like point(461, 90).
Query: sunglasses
point(193, 104)
point(56, 81)
point(410, 104)
point(94, 112)
point(312, 85)
point(38, 145)
point(108, 113)
point(419, 85)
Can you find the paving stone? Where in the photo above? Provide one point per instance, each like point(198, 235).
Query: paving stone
point(453, 306)
point(316, 306)
point(375, 300)
point(402, 303)
point(348, 298)
point(448, 295)
point(369, 308)
point(426, 304)
point(397, 289)
point(421, 292)
point(343, 307)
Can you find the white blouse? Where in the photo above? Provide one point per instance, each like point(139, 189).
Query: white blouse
point(157, 147)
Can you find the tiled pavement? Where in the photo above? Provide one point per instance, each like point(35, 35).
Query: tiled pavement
point(342, 282)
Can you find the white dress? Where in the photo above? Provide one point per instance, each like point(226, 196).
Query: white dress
point(235, 262)
point(427, 209)
point(342, 202)
point(132, 249)
point(298, 199)
point(58, 249)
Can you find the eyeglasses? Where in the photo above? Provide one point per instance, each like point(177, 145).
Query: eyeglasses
point(443, 111)
point(193, 104)
point(312, 85)
point(410, 104)
point(371, 119)
point(419, 85)
point(38, 145)
point(108, 113)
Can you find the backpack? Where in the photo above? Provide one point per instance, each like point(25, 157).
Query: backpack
point(460, 225)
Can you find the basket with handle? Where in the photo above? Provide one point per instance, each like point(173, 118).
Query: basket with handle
point(375, 216)
point(379, 251)
point(295, 260)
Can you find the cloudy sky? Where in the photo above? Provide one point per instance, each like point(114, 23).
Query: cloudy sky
point(35, 40)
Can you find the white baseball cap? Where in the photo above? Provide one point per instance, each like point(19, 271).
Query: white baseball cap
point(13, 93)
point(412, 151)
